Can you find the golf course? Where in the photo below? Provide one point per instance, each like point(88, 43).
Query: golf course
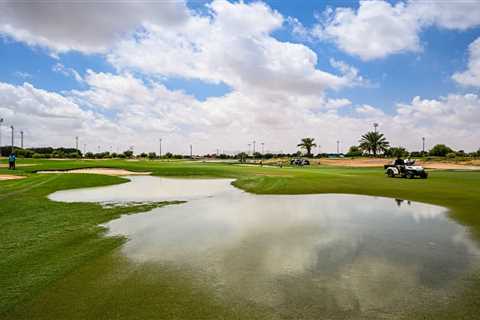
point(58, 262)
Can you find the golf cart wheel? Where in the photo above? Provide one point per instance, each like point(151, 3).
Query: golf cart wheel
point(409, 176)
point(424, 175)
point(391, 174)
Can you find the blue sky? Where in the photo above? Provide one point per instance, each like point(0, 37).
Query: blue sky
point(200, 93)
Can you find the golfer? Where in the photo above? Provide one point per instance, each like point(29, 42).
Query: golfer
point(11, 161)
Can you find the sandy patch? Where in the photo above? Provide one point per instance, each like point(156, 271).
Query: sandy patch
point(104, 171)
point(10, 177)
point(447, 166)
point(345, 162)
point(379, 162)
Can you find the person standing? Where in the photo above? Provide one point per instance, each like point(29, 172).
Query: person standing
point(11, 161)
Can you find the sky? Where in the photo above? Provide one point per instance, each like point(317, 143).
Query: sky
point(221, 74)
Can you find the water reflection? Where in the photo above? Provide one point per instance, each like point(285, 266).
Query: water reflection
point(314, 254)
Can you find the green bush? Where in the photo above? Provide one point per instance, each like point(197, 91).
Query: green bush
point(41, 156)
point(440, 150)
point(152, 155)
point(451, 155)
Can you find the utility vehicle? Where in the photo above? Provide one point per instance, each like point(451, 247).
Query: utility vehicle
point(405, 169)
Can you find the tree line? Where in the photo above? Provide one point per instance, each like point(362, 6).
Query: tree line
point(375, 144)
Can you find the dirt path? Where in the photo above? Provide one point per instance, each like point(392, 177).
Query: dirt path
point(10, 177)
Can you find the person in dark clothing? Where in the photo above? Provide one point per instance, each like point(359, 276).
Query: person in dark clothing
point(399, 162)
point(11, 161)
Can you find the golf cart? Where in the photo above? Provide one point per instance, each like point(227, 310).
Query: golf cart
point(405, 169)
point(299, 162)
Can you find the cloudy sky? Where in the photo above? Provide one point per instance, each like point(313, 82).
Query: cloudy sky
point(220, 74)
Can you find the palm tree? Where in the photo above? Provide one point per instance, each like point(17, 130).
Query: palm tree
point(307, 144)
point(374, 142)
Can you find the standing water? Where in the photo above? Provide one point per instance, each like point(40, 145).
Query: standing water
point(296, 256)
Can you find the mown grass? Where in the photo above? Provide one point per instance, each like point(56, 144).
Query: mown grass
point(43, 241)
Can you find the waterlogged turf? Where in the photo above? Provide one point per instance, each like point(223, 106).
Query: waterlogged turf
point(267, 256)
point(48, 247)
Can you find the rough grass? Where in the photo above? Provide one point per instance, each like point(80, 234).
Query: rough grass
point(43, 241)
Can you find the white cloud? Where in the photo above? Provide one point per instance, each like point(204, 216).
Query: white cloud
point(278, 94)
point(378, 29)
point(233, 46)
point(375, 30)
point(84, 26)
point(369, 111)
point(458, 15)
point(68, 72)
point(141, 112)
point(471, 77)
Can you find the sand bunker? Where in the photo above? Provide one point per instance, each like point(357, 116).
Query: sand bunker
point(10, 177)
point(379, 162)
point(104, 171)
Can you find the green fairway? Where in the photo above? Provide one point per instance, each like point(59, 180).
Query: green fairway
point(44, 241)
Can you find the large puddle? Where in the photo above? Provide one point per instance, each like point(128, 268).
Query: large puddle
point(311, 255)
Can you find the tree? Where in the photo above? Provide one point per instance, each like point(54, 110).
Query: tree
point(152, 155)
point(128, 153)
point(396, 152)
point(354, 151)
point(307, 144)
point(440, 150)
point(374, 142)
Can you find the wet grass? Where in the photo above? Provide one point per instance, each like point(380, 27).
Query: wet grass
point(44, 241)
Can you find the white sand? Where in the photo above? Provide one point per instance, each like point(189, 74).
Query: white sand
point(10, 177)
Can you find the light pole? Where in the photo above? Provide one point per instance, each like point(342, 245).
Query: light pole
point(13, 129)
point(249, 149)
point(1, 121)
point(160, 147)
point(253, 147)
point(338, 147)
point(263, 150)
point(375, 125)
point(423, 145)
point(21, 139)
point(84, 149)
point(76, 143)
point(191, 153)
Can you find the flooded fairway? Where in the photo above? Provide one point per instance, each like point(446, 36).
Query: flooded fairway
point(229, 254)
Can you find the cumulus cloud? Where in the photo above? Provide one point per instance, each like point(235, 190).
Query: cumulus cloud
point(140, 112)
point(278, 95)
point(233, 45)
point(375, 30)
point(378, 28)
point(471, 77)
point(84, 26)
point(68, 72)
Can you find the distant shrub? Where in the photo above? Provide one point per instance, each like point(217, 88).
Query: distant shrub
point(128, 153)
point(152, 155)
point(41, 156)
point(451, 155)
point(440, 150)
